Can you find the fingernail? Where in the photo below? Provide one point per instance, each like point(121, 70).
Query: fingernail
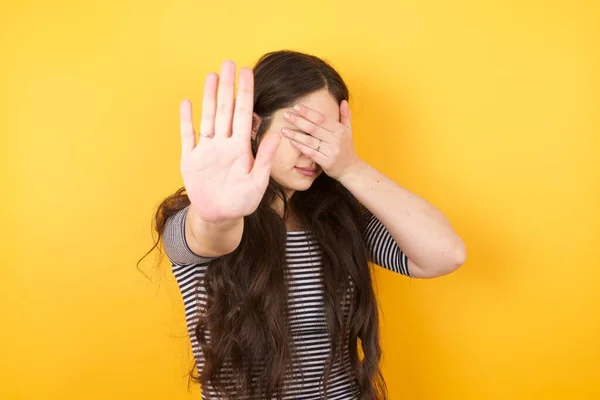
point(286, 115)
point(297, 107)
point(284, 131)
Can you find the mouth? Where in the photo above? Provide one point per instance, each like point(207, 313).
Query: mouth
point(306, 171)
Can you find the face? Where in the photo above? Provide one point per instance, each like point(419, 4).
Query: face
point(292, 169)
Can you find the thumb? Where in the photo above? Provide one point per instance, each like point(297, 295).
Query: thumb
point(261, 169)
point(345, 114)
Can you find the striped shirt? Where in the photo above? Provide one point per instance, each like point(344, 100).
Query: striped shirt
point(309, 335)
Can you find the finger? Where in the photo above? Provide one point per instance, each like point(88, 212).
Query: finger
point(345, 114)
point(316, 117)
point(306, 140)
point(261, 169)
point(209, 105)
point(225, 99)
point(242, 116)
point(186, 126)
point(311, 153)
point(307, 126)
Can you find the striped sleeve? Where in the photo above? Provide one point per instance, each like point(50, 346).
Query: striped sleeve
point(382, 247)
point(175, 244)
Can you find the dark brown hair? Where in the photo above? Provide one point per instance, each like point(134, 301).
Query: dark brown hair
point(247, 297)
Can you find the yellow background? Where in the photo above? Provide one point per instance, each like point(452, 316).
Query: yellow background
point(488, 109)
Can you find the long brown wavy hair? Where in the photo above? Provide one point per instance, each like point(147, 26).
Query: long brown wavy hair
point(245, 316)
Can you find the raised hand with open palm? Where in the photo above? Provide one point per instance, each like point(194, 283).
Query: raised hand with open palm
point(222, 179)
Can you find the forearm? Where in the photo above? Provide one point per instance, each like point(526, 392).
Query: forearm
point(420, 230)
point(212, 239)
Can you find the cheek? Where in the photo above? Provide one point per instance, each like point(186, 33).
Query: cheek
point(286, 154)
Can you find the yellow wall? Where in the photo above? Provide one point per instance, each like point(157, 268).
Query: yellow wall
point(489, 109)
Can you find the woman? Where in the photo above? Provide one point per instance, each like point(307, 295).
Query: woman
point(271, 237)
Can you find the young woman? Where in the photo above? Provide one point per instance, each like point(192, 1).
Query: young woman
point(271, 238)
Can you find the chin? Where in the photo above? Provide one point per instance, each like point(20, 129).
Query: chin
point(301, 186)
point(295, 181)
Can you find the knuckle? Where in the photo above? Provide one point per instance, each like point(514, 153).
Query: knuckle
point(223, 108)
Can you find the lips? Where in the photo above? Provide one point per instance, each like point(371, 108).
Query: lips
point(306, 171)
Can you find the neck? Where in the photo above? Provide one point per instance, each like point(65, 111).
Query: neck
point(277, 203)
point(291, 222)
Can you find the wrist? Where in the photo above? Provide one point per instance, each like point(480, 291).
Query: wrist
point(212, 238)
point(353, 172)
point(197, 223)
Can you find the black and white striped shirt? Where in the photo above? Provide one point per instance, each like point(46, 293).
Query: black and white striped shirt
point(310, 338)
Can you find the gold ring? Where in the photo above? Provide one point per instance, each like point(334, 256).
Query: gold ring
point(319, 146)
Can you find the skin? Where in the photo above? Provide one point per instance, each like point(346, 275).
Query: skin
point(420, 229)
point(288, 157)
point(224, 182)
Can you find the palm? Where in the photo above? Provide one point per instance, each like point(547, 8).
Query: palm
point(222, 179)
point(217, 177)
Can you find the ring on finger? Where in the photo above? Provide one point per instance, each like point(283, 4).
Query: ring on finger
point(319, 146)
